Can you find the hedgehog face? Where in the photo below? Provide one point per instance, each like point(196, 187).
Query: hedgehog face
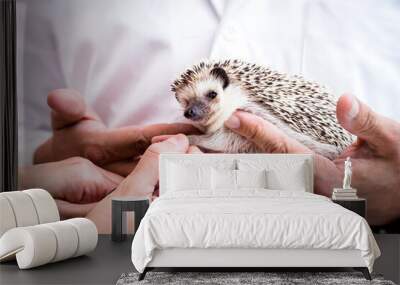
point(210, 99)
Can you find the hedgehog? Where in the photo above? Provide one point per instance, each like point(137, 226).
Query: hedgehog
point(211, 91)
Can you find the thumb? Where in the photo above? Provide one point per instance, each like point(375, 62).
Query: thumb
point(357, 118)
point(145, 176)
point(68, 107)
point(263, 134)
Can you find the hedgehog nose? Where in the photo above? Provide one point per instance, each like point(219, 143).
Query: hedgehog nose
point(193, 113)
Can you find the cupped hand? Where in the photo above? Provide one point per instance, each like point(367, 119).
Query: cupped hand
point(143, 180)
point(375, 155)
point(76, 183)
point(78, 131)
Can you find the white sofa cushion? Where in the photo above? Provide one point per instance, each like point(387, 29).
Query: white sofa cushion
point(34, 244)
point(7, 216)
point(45, 206)
point(67, 239)
point(26, 208)
point(23, 208)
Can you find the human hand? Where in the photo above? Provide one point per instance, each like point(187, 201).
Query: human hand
point(143, 180)
point(375, 155)
point(78, 131)
point(75, 183)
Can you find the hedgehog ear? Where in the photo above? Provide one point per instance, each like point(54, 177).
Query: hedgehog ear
point(220, 73)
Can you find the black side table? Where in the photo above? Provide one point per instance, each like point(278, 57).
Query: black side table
point(358, 206)
point(120, 206)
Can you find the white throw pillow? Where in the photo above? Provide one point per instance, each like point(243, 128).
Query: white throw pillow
point(251, 178)
point(223, 179)
point(293, 179)
point(284, 172)
point(226, 179)
point(182, 178)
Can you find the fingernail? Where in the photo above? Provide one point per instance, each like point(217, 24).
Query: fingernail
point(233, 122)
point(355, 107)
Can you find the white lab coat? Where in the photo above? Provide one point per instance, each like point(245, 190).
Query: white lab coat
point(122, 55)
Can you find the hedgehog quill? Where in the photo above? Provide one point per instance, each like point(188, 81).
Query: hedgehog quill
point(210, 92)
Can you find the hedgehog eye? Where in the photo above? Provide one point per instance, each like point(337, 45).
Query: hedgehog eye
point(211, 94)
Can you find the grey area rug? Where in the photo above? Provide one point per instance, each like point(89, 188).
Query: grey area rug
point(273, 278)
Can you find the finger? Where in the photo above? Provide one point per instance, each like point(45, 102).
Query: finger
point(194, 149)
point(379, 132)
point(382, 207)
point(44, 152)
point(161, 138)
point(357, 150)
point(145, 176)
point(67, 107)
point(69, 210)
point(169, 129)
point(149, 162)
point(122, 168)
point(119, 144)
point(263, 134)
point(323, 183)
point(126, 142)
